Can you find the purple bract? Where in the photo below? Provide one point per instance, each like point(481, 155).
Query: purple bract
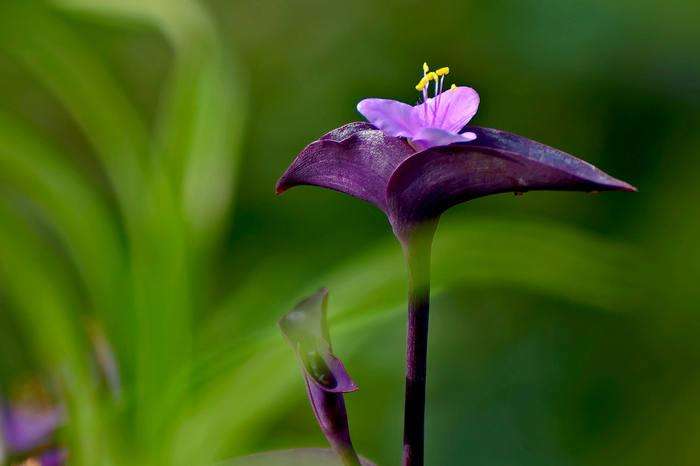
point(413, 187)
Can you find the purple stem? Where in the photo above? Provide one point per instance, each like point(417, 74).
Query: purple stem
point(417, 254)
point(332, 417)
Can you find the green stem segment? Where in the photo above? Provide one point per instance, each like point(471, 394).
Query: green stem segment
point(417, 252)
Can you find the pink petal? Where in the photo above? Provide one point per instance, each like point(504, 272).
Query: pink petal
point(394, 118)
point(426, 138)
point(455, 108)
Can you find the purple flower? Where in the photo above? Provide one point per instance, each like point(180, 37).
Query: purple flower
point(306, 330)
point(414, 163)
point(25, 428)
point(434, 122)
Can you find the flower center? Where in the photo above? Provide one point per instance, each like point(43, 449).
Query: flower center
point(438, 77)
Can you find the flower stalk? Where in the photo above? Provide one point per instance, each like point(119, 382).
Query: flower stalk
point(417, 253)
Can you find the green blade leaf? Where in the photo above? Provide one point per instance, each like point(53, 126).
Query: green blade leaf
point(65, 64)
point(297, 457)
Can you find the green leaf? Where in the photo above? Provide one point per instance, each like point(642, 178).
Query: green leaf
point(298, 457)
point(65, 64)
point(76, 210)
point(46, 302)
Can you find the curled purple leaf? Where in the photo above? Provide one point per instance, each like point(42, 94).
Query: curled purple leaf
point(306, 329)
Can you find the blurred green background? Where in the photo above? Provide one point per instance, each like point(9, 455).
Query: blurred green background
point(140, 141)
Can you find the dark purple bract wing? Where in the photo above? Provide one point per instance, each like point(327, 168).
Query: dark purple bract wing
point(354, 159)
point(347, 130)
point(432, 181)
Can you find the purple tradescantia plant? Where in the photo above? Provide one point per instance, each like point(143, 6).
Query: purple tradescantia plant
point(414, 163)
point(306, 330)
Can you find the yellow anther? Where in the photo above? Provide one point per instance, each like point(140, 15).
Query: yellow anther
point(454, 86)
point(425, 68)
point(422, 83)
point(432, 76)
point(443, 71)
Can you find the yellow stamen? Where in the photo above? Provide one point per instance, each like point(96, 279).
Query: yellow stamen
point(432, 76)
point(443, 71)
point(454, 86)
point(425, 68)
point(422, 83)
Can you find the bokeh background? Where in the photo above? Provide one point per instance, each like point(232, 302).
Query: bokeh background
point(140, 141)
